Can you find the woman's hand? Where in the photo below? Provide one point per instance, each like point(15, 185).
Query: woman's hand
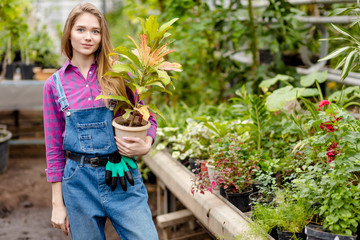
point(59, 218)
point(133, 146)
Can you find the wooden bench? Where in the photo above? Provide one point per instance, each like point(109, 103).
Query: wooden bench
point(169, 220)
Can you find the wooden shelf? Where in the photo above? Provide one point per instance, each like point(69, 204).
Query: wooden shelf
point(213, 212)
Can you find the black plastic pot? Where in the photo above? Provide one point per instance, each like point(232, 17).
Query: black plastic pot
point(222, 190)
point(316, 232)
point(239, 199)
point(194, 165)
point(290, 236)
point(265, 56)
point(26, 71)
point(10, 70)
point(5, 136)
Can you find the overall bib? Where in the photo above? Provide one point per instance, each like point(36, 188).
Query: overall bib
point(88, 200)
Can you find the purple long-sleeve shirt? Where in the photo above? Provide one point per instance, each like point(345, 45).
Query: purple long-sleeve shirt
point(81, 94)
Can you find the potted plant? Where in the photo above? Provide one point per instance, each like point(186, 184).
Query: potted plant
point(5, 136)
point(145, 72)
point(12, 27)
point(330, 183)
point(235, 162)
point(287, 215)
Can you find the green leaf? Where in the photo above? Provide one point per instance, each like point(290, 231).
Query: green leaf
point(114, 97)
point(163, 75)
point(119, 75)
point(127, 113)
point(334, 53)
point(310, 92)
point(338, 11)
point(145, 95)
point(124, 52)
point(152, 26)
point(341, 63)
point(310, 107)
point(344, 32)
point(348, 64)
point(142, 22)
point(167, 25)
point(309, 80)
point(154, 109)
point(266, 84)
point(140, 90)
point(125, 68)
point(276, 100)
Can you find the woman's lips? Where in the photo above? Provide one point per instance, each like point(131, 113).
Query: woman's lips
point(87, 45)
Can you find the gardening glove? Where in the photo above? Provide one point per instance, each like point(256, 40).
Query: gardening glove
point(118, 166)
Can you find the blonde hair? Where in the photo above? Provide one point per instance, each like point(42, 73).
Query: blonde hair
point(114, 86)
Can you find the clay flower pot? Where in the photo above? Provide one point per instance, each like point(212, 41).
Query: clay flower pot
point(123, 130)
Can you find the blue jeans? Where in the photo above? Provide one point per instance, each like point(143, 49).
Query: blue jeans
point(89, 202)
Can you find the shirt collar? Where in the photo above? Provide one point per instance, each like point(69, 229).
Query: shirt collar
point(68, 64)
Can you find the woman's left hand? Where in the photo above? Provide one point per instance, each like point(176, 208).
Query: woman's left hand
point(133, 146)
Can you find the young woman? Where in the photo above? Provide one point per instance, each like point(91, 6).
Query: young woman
point(80, 140)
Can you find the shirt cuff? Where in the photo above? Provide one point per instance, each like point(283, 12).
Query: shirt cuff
point(54, 175)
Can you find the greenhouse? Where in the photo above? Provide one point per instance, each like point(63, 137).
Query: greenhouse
point(179, 119)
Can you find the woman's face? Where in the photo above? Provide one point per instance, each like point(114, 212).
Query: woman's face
point(85, 35)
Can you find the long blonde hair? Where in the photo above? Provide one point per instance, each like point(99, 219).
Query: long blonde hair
point(114, 86)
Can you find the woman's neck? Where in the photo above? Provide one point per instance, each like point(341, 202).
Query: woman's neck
point(83, 63)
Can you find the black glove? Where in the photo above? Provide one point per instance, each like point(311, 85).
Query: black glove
point(117, 165)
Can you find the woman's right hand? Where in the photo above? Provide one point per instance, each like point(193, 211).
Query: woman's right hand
point(59, 218)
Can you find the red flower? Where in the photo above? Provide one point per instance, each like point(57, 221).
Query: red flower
point(328, 125)
point(332, 151)
point(322, 103)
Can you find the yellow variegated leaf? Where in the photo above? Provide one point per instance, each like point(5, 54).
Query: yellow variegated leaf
point(127, 113)
point(144, 111)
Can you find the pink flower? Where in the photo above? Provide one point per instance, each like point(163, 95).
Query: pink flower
point(213, 184)
point(277, 113)
point(322, 103)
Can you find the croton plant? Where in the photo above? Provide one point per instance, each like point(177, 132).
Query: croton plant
point(144, 69)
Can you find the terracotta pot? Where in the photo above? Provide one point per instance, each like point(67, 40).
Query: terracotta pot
point(203, 167)
point(125, 131)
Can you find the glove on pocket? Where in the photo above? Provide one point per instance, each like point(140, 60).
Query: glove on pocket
point(118, 166)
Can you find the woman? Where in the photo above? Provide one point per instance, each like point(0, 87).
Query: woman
point(80, 140)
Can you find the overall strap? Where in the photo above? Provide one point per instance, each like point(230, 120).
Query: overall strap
point(61, 94)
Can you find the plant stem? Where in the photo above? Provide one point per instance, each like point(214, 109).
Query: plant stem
point(253, 43)
point(319, 89)
point(133, 118)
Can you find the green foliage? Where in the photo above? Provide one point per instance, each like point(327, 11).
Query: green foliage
point(13, 24)
point(329, 179)
point(281, 96)
point(286, 215)
point(348, 55)
point(145, 71)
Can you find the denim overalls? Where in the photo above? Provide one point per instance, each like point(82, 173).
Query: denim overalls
point(88, 200)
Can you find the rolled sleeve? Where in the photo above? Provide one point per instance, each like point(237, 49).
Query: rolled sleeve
point(54, 126)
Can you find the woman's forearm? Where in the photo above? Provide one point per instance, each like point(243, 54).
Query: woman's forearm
point(57, 198)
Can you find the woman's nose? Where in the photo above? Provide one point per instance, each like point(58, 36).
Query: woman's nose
point(88, 35)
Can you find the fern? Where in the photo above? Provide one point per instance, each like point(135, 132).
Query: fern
point(258, 115)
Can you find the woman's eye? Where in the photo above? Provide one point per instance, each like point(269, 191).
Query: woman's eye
point(80, 30)
point(96, 31)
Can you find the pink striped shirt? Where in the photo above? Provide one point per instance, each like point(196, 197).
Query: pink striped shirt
point(81, 94)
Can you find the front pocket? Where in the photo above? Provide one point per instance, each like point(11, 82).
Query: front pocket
point(94, 137)
point(70, 170)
